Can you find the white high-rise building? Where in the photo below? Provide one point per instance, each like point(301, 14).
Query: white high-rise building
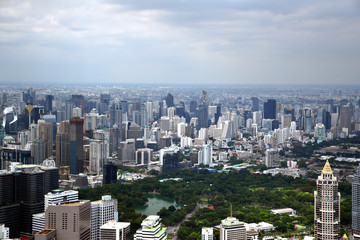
point(257, 118)
point(149, 109)
point(102, 211)
point(151, 229)
point(181, 129)
point(113, 230)
point(292, 129)
point(205, 154)
point(207, 234)
point(97, 156)
point(232, 229)
point(327, 206)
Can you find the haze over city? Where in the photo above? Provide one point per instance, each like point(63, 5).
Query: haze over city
point(202, 42)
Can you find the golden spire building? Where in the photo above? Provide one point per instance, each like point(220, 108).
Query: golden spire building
point(327, 206)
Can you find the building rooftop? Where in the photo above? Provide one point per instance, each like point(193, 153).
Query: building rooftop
point(45, 231)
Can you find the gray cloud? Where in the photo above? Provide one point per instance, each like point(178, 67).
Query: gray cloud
point(180, 41)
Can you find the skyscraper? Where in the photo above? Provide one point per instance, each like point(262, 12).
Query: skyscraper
point(232, 229)
point(270, 109)
point(48, 103)
point(327, 206)
point(76, 145)
point(102, 211)
point(46, 135)
point(356, 203)
point(70, 219)
point(254, 104)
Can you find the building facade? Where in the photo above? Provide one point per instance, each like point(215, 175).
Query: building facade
point(327, 206)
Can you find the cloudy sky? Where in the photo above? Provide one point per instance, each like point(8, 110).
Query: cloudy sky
point(180, 41)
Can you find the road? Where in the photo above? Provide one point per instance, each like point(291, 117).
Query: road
point(172, 230)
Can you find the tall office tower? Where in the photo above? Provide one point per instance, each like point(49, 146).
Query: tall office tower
point(320, 132)
point(76, 145)
point(169, 100)
point(257, 118)
point(10, 120)
point(97, 156)
point(285, 121)
point(232, 229)
point(307, 120)
point(70, 219)
point(356, 204)
point(345, 117)
point(110, 173)
point(115, 114)
point(218, 113)
point(102, 211)
point(137, 117)
point(272, 158)
point(9, 206)
point(193, 106)
point(207, 234)
point(254, 104)
point(53, 197)
point(78, 101)
point(31, 195)
point(205, 154)
point(105, 98)
point(127, 152)
point(149, 109)
point(327, 206)
point(63, 144)
point(37, 148)
point(115, 138)
point(151, 228)
point(270, 109)
point(329, 105)
point(113, 230)
point(143, 156)
point(292, 129)
point(134, 131)
point(203, 111)
point(46, 135)
point(48, 103)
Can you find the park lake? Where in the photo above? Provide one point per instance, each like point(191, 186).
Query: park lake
point(155, 203)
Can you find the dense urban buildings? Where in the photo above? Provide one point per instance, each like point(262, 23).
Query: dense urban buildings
point(356, 203)
point(88, 136)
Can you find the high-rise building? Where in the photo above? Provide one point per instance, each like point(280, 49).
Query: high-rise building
point(327, 206)
point(232, 229)
point(169, 100)
point(207, 234)
point(345, 117)
point(102, 211)
point(286, 120)
point(97, 156)
point(272, 158)
point(70, 219)
point(76, 145)
point(356, 204)
point(113, 230)
point(151, 228)
point(110, 173)
point(46, 135)
point(205, 154)
point(53, 197)
point(48, 103)
point(270, 109)
point(254, 104)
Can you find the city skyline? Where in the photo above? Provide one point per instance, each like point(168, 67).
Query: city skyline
point(165, 42)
